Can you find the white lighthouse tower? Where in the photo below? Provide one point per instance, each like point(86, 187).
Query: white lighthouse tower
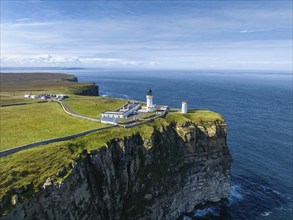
point(149, 99)
point(184, 107)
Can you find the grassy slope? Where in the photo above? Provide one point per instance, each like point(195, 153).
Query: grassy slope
point(13, 86)
point(197, 116)
point(28, 123)
point(22, 168)
point(35, 122)
point(93, 107)
point(14, 97)
point(34, 166)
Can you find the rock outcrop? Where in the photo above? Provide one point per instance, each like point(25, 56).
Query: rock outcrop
point(133, 178)
point(71, 79)
point(91, 90)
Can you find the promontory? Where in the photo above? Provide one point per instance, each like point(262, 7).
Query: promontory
point(158, 169)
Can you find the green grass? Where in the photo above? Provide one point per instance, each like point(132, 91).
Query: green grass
point(9, 98)
point(148, 115)
point(196, 116)
point(100, 138)
point(34, 166)
point(93, 106)
point(13, 86)
point(123, 120)
point(48, 159)
point(35, 122)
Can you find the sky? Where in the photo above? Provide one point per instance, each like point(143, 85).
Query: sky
point(238, 35)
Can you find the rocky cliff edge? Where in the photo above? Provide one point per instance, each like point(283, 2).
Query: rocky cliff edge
point(179, 167)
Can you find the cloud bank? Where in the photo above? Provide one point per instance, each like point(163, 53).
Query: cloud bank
point(189, 35)
point(49, 60)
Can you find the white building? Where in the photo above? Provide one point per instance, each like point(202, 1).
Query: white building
point(124, 112)
point(113, 114)
point(107, 120)
point(184, 107)
point(164, 108)
point(61, 96)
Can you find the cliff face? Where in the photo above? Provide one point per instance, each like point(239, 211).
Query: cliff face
point(72, 79)
point(133, 178)
point(92, 90)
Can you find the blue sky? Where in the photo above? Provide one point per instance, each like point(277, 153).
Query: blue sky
point(253, 35)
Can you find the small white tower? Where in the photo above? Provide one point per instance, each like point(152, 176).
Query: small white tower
point(149, 99)
point(184, 107)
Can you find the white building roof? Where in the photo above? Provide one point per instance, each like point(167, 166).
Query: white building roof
point(113, 113)
point(109, 120)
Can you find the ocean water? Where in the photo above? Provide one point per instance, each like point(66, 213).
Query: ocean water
point(257, 107)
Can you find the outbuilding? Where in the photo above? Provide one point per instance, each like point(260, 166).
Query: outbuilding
point(108, 120)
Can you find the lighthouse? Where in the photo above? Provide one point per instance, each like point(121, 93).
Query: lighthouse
point(149, 100)
point(184, 107)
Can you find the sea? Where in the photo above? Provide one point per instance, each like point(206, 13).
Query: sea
point(257, 107)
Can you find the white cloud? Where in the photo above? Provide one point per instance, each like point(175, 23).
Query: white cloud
point(253, 30)
point(124, 62)
point(23, 20)
point(25, 24)
point(47, 59)
point(198, 38)
point(154, 63)
point(40, 59)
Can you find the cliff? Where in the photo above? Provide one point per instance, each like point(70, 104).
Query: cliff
point(179, 167)
point(88, 90)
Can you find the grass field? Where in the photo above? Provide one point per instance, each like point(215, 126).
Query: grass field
point(13, 86)
point(35, 122)
point(33, 166)
point(24, 124)
point(14, 97)
point(93, 106)
point(197, 116)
